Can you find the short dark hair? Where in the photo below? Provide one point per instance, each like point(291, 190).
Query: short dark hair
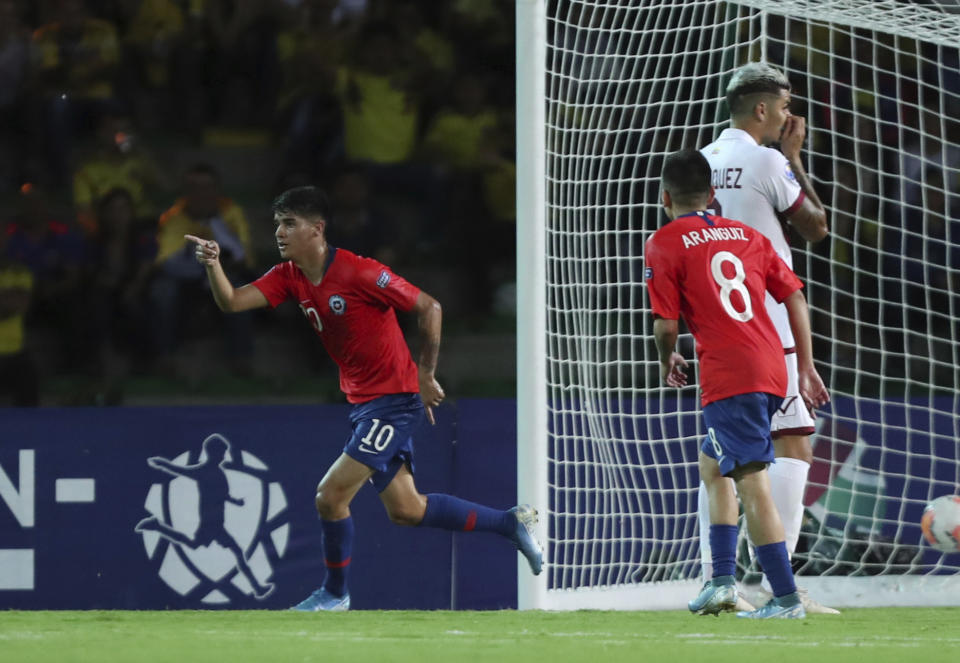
point(750, 79)
point(309, 202)
point(686, 176)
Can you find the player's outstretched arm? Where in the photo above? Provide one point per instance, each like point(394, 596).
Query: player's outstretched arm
point(810, 219)
point(228, 298)
point(671, 363)
point(161, 463)
point(812, 389)
point(429, 320)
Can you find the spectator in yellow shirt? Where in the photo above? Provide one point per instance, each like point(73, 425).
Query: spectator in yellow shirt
point(380, 106)
point(310, 49)
point(18, 372)
point(204, 212)
point(154, 37)
point(119, 162)
point(76, 58)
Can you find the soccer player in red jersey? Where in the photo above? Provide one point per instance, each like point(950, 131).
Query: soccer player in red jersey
point(351, 302)
point(715, 272)
point(768, 189)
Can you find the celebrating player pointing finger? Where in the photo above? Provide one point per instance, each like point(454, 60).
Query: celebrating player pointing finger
point(351, 303)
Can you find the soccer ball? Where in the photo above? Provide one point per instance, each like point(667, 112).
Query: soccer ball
point(941, 523)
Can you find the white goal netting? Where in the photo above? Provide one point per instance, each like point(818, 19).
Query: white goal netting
point(627, 82)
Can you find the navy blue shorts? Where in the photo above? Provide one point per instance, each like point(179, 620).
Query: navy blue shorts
point(383, 435)
point(738, 430)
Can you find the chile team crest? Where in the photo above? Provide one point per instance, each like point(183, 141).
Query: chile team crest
point(337, 304)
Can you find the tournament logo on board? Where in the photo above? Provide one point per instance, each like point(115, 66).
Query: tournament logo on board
point(217, 523)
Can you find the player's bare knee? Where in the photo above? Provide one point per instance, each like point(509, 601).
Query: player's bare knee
point(407, 515)
point(402, 517)
point(328, 506)
point(407, 511)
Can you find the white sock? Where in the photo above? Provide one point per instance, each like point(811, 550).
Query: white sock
point(788, 479)
point(703, 514)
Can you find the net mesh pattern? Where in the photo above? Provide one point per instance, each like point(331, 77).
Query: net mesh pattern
point(878, 84)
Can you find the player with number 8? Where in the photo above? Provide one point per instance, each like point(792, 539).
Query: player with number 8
point(715, 273)
point(768, 189)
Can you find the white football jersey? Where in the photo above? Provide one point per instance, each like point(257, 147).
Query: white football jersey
point(751, 184)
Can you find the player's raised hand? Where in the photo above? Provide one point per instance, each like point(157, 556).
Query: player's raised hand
point(431, 393)
point(672, 370)
point(812, 389)
point(792, 137)
point(207, 252)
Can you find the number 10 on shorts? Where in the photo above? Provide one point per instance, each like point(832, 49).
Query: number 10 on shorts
point(377, 438)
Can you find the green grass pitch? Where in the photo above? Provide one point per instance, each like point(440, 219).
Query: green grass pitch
point(924, 635)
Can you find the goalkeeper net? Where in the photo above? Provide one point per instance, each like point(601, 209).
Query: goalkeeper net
point(609, 452)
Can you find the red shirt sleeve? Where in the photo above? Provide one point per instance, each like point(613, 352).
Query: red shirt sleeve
point(377, 281)
point(274, 284)
point(661, 281)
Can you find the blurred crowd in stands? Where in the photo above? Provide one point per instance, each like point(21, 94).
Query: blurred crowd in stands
point(126, 123)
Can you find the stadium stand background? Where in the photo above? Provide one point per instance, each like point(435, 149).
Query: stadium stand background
point(403, 111)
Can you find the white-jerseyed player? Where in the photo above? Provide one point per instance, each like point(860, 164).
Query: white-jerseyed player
point(767, 188)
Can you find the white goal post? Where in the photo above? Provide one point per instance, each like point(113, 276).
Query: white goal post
point(607, 88)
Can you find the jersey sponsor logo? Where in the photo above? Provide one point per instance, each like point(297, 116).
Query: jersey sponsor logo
point(727, 178)
point(704, 235)
point(384, 279)
point(337, 304)
point(217, 523)
point(788, 173)
point(648, 273)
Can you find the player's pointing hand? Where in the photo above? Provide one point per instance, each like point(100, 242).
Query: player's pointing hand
point(207, 252)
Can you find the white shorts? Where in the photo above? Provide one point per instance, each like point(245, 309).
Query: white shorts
point(792, 417)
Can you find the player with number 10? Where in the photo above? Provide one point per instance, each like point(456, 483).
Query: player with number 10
point(351, 302)
point(715, 273)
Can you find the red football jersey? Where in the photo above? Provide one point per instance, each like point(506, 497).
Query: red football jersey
point(715, 273)
point(352, 310)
